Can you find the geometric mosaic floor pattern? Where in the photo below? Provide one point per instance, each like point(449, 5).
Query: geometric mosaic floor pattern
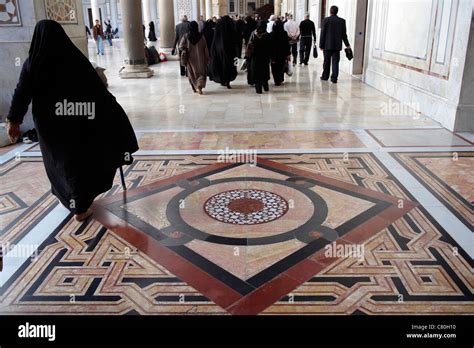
point(25, 197)
point(447, 175)
point(195, 236)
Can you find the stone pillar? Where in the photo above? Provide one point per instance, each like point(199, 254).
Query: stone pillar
point(167, 25)
point(135, 62)
point(215, 8)
point(202, 8)
point(147, 18)
point(223, 8)
point(278, 8)
point(208, 9)
point(198, 9)
point(114, 13)
point(95, 11)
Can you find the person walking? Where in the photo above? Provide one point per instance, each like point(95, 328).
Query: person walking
point(181, 30)
point(152, 32)
point(80, 161)
point(308, 33)
point(293, 30)
point(239, 28)
point(280, 52)
point(109, 33)
point(333, 34)
point(223, 67)
point(250, 26)
point(99, 37)
point(201, 22)
point(260, 58)
point(194, 47)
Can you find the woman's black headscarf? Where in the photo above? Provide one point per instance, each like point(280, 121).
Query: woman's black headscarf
point(208, 32)
point(152, 34)
point(262, 28)
point(194, 35)
point(279, 30)
point(50, 45)
point(249, 28)
point(224, 33)
point(52, 50)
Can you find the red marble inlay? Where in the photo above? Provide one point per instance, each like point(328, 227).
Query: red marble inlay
point(246, 206)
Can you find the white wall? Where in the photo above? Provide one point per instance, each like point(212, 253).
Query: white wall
point(416, 53)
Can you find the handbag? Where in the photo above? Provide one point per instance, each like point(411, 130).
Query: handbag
point(315, 51)
point(349, 53)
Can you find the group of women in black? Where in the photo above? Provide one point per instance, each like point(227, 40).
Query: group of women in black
point(263, 51)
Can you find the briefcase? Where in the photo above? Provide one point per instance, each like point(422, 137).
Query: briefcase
point(315, 51)
point(349, 53)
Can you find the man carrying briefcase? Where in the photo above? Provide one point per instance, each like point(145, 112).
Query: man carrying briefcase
point(333, 33)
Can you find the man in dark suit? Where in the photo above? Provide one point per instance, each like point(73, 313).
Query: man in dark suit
point(308, 33)
point(333, 33)
point(182, 29)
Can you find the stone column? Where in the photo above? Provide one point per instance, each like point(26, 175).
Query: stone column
point(277, 8)
point(223, 8)
point(146, 16)
point(95, 10)
point(167, 25)
point(198, 9)
point(114, 13)
point(202, 8)
point(135, 62)
point(208, 9)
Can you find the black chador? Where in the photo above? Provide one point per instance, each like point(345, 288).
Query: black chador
point(84, 133)
point(223, 67)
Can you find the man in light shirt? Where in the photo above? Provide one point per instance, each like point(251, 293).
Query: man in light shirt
point(271, 23)
point(293, 30)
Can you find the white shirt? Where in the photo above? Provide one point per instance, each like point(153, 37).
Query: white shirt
point(270, 26)
point(293, 29)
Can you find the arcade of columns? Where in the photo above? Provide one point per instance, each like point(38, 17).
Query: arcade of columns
point(134, 15)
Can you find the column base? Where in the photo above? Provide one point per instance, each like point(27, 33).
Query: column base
point(136, 72)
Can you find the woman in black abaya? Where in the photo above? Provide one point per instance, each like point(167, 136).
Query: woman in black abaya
point(259, 69)
point(83, 150)
point(280, 52)
point(223, 67)
point(152, 33)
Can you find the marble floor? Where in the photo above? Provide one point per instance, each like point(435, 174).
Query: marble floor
point(310, 199)
point(166, 102)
